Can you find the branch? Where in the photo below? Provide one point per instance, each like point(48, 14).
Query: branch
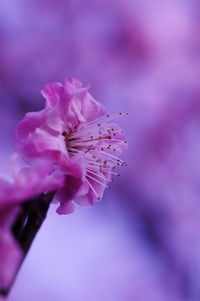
point(27, 225)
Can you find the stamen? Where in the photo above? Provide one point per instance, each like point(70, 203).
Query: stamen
point(96, 142)
point(94, 179)
point(112, 156)
point(107, 118)
point(90, 185)
point(97, 175)
point(100, 120)
point(96, 139)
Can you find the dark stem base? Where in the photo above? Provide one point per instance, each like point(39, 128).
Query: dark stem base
point(27, 224)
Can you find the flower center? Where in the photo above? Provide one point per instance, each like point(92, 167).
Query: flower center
point(99, 142)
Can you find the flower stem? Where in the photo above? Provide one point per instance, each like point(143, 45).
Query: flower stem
point(27, 224)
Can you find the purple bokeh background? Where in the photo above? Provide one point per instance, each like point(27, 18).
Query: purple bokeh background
point(142, 242)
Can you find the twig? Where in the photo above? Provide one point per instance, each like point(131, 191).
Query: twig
point(28, 223)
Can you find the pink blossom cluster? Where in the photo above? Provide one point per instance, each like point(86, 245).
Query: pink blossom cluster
point(74, 133)
point(70, 148)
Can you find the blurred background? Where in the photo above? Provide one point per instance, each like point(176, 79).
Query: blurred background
point(142, 242)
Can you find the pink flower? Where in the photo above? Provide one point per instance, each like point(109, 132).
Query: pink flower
point(74, 134)
point(27, 183)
